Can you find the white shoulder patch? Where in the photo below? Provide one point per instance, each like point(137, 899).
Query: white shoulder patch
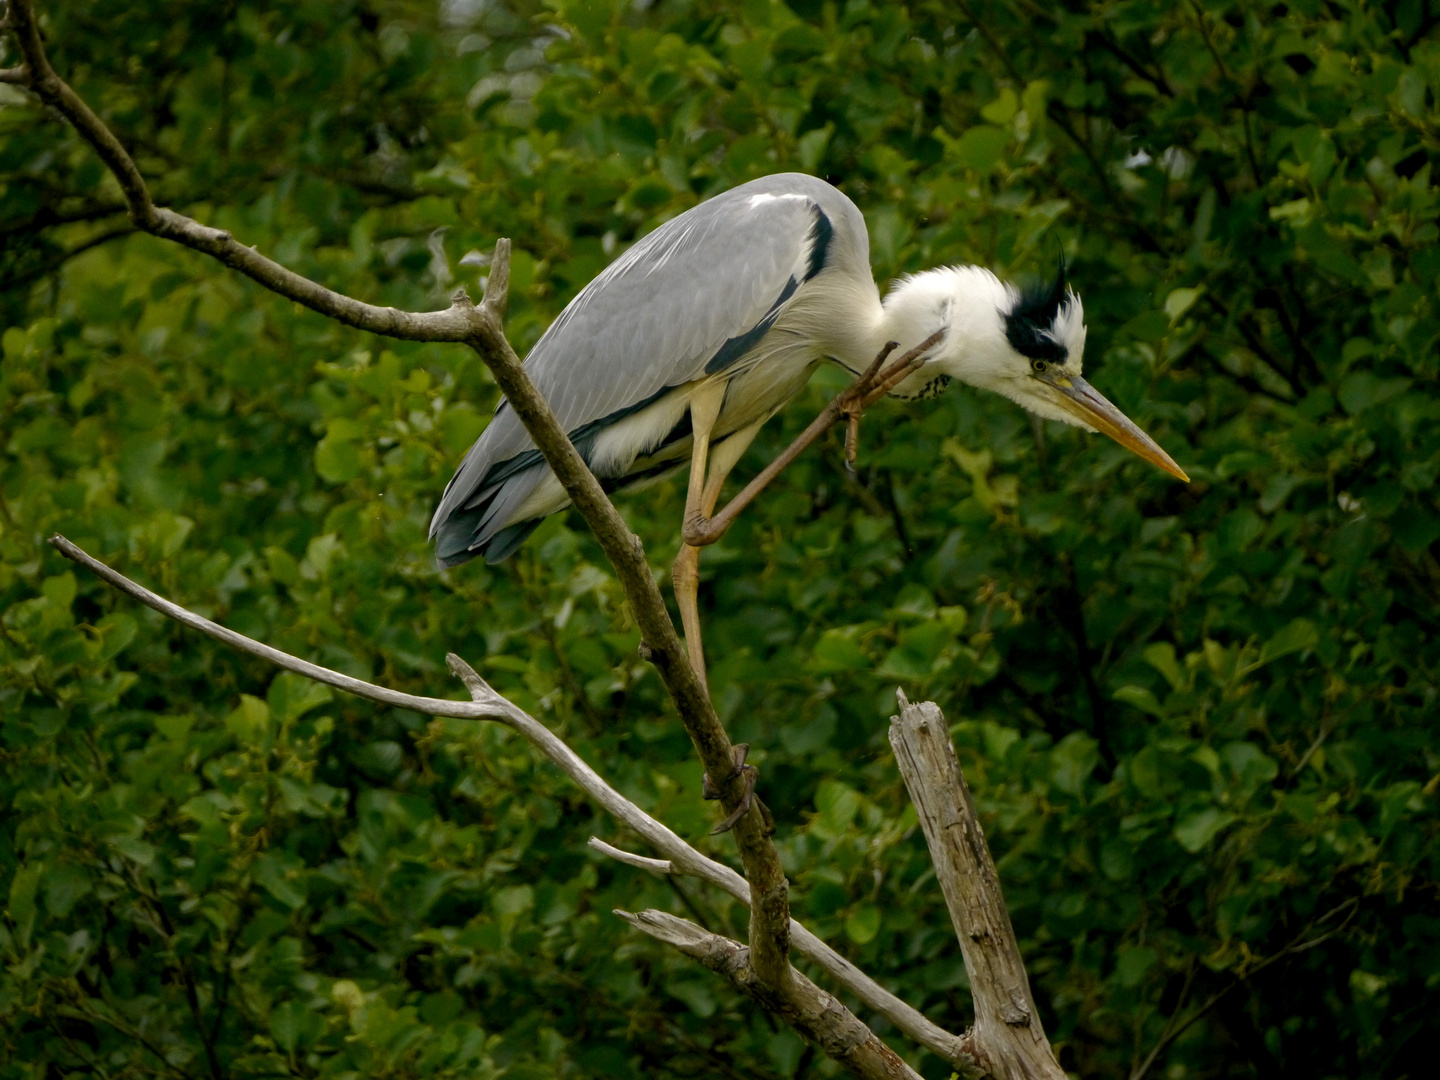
point(760, 200)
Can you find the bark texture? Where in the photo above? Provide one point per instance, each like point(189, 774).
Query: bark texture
point(1008, 1038)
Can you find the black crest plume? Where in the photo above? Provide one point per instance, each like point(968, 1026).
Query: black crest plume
point(1028, 322)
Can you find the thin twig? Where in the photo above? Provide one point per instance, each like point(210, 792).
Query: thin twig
point(1173, 1031)
point(640, 862)
point(494, 708)
point(487, 704)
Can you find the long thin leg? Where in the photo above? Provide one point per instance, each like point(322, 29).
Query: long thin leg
point(685, 573)
point(864, 392)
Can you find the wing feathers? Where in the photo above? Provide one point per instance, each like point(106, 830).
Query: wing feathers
point(691, 298)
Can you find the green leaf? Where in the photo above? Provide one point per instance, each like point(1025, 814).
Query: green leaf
point(291, 696)
point(1003, 109)
point(1296, 636)
point(811, 147)
point(862, 924)
point(65, 885)
point(1362, 390)
point(514, 899)
point(1131, 964)
point(134, 849)
point(117, 630)
point(294, 1027)
point(698, 996)
point(1072, 761)
point(175, 728)
point(338, 460)
point(282, 876)
point(838, 804)
point(1196, 830)
point(981, 147)
point(21, 906)
point(1140, 698)
point(1179, 301)
point(837, 650)
point(1161, 656)
point(249, 722)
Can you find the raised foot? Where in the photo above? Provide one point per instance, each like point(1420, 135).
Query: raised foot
point(749, 774)
point(701, 531)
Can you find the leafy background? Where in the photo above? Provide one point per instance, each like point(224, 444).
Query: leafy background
point(1199, 721)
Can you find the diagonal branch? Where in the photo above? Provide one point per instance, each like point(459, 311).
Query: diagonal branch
point(809, 1010)
point(481, 329)
point(494, 707)
point(486, 704)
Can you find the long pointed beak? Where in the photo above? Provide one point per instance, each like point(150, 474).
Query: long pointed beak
point(1085, 403)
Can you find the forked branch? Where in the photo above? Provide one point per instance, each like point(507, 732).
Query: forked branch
point(763, 969)
point(816, 1015)
point(487, 704)
point(481, 328)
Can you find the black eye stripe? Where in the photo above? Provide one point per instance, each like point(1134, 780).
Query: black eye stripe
point(1027, 340)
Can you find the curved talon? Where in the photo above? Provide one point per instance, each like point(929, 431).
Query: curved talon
point(750, 774)
point(852, 440)
point(767, 819)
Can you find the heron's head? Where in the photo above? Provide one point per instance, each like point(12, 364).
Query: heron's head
point(1027, 344)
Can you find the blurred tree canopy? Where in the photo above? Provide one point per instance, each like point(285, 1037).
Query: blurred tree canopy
point(1200, 721)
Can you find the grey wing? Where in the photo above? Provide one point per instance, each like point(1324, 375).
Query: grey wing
point(689, 298)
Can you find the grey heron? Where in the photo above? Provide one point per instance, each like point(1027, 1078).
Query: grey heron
point(684, 346)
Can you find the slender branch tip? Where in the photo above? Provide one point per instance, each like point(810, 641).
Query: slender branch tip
point(497, 287)
point(640, 862)
point(469, 676)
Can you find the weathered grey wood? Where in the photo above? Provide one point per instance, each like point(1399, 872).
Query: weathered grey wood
point(486, 704)
point(1008, 1039)
point(818, 1016)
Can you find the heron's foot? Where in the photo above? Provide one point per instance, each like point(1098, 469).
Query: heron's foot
point(749, 774)
point(699, 530)
point(852, 436)
point(740, 750)
point(853, 402)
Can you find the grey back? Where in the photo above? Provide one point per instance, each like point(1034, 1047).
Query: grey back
point(655, 318)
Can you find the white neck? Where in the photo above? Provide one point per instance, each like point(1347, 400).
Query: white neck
point(967, 303)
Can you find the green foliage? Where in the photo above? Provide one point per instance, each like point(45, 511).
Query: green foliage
point(1199, 721)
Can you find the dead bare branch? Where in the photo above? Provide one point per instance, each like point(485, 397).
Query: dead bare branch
point(487, 704)
point(1009, 1041)
point(640, 862)
point(815, 1014)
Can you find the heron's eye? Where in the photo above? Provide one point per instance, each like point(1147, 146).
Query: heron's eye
point(1038, 366)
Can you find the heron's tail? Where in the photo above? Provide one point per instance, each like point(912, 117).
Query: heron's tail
point(462, 537)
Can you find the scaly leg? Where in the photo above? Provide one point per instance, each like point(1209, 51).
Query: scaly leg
point(686, 570)
point(685, 573)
